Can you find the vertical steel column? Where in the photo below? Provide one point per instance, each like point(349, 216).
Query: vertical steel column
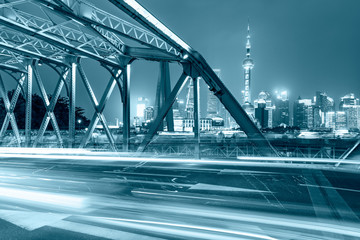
point(28, 108)
point(165, 81)
point(72, 101)
point(158, 97)
point(126, 108)
point(196, 116)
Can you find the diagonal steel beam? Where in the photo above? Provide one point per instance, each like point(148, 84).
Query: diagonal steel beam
point(99, 107)
point(9, 114)
point(50, 106)
point(163, 111)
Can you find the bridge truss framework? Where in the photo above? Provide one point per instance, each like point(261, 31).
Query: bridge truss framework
point(61, 33)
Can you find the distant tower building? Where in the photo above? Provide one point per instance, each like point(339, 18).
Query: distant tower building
point(281, 112)
point(248, 65)
point(302, 113)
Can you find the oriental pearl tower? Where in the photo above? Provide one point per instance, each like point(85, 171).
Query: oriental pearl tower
point(248, 65)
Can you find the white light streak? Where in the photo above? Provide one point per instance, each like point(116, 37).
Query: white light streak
point(156, 23)
point(43, 197)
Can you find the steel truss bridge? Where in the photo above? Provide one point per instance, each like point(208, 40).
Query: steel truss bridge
point(61, 34)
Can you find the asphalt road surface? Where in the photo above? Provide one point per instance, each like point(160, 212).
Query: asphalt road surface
point(50, 194)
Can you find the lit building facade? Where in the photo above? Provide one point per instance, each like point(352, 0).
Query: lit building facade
point(323, 104)
point(142, 104)
point(281, 112)
point(149, 114)
point(302, 113)
point(264, 110)
point(341, 120)
point(350, 105)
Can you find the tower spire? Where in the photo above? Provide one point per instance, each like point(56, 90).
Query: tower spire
point(248, 65)
point(248, 44)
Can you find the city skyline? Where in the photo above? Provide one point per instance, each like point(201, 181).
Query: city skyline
point(298, 55)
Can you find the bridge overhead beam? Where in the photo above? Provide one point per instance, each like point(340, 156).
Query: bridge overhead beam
point(150, 54)
point(71, 49)
point(11, 68)
point(110, 24)
point(29, 54)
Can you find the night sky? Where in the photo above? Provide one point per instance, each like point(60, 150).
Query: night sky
point(298, 46)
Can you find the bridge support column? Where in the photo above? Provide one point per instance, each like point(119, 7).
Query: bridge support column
point(196, 116)
point(165, 76)
point(72, 102)
point(126, 107)
point(162, 93)
point(28, 107)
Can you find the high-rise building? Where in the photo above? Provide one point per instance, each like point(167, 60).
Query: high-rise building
point(281, 112)
point(330, 120)
point(264, 109)
point(141, 105)
point(350, 105)
point(149, 114)
point(348, 100)
point(302, 110)
point(189, 108)
point(213, 103)
point(340, 123)
point(323, 104)
point(248, 65)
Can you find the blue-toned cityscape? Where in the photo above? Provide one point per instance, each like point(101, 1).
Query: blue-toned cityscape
point(158, 119)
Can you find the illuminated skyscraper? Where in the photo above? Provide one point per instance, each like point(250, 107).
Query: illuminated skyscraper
point(323, 104)
point(350, 105)
point(264, 109)
point(141, 105)
point(281, 113)
point(213, 102)
point(303, 111)
point(189, 108)
point(248, 65)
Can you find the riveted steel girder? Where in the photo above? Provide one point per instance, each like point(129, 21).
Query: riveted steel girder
point(47, 38)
